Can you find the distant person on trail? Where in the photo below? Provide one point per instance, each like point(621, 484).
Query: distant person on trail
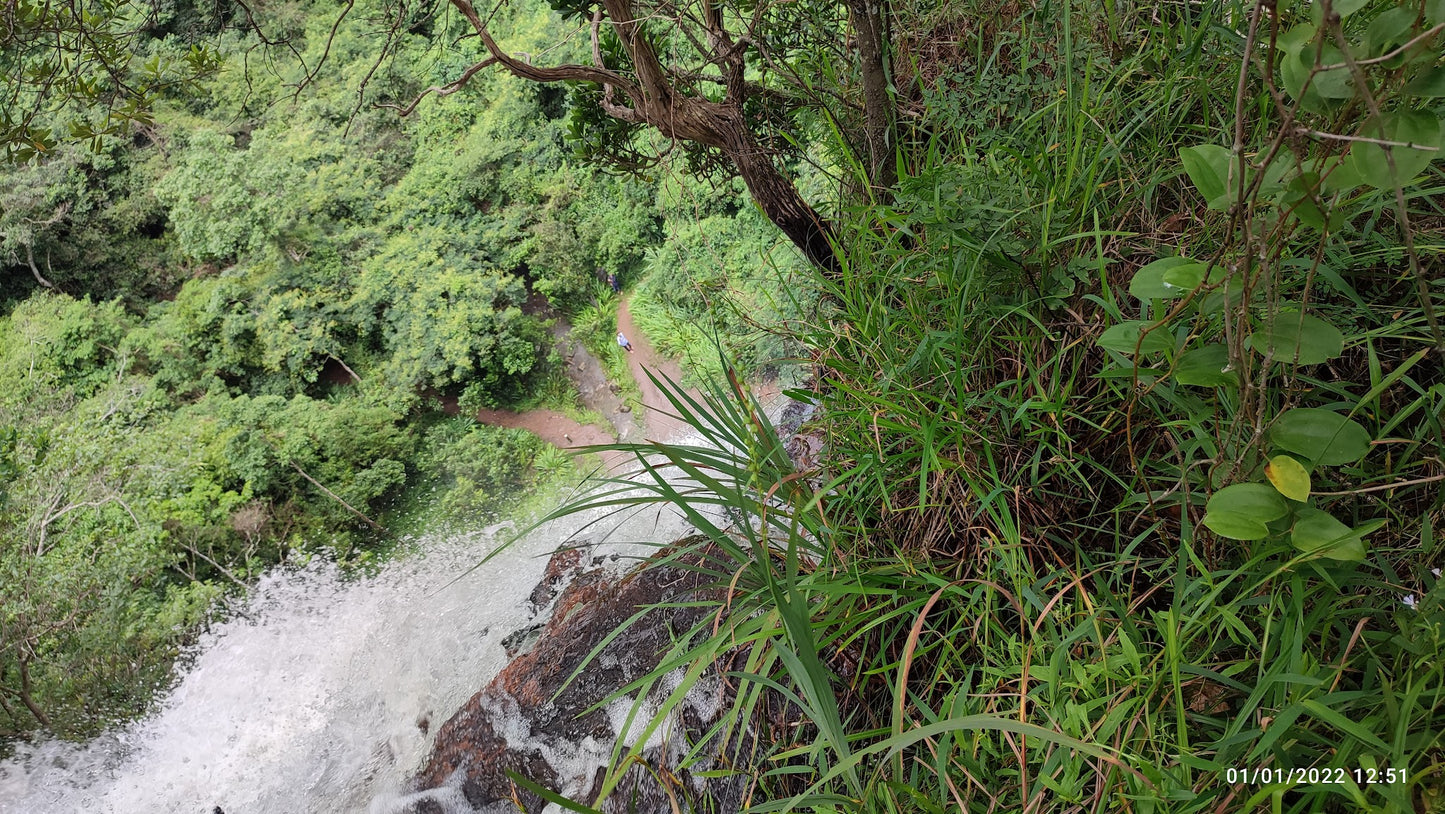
point(622, 341)
point(612, 281)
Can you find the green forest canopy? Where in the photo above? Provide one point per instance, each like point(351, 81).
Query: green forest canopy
point(1124, 320)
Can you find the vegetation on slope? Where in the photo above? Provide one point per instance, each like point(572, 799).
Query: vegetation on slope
point(1127, 343)
point(225, 332)
point(1132, 394)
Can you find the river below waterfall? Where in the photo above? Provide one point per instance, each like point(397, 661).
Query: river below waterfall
point(323, 694)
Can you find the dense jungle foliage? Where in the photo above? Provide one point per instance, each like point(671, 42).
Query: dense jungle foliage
point(228, 332)
point(1125, 337)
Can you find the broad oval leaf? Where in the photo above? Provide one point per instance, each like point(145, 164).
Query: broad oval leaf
point(1235, 526)
point(1317, 532)
point(1125, 338)
point(1206, 367)
point(1289, 477)
point(1322, 436)
point(1255, 501)
point(1417, 127)
point(1335, 83)
point(1297, 337)
point(1393, 27)
point(1339, 175)
point(1297, 65)
point(1350, 549)
point(1430, 84)
point(1185, 278)
point(1149, 283)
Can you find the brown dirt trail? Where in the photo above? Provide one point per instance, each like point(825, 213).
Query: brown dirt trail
point(657, 422)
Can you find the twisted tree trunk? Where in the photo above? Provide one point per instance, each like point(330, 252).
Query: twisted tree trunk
point(655, 98)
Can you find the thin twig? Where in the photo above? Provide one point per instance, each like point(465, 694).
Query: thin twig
point(1382, 487)
point(1424, 35)
point(338, 499)
point(1305, 131)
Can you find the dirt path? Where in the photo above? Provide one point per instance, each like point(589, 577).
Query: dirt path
point(587, 373)
point(658, 421)
point(556, 429)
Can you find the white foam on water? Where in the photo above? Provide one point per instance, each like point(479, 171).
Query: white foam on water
point(324, 694)
point(311, 699)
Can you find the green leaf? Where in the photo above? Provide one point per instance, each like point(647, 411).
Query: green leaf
point(1317, 532)
point(1228, 294)
point(1206, 367)
point(1356, 730)
point(1344, 8)
point(1208, 167)
point(1302, 200)
point(1368, 527)
point(1297, 337)
point(1335, 83)
point(1416, 127)
point(1430, 84)
point(1289, 477)
point(549, 795)
point(1184, 278)
point(1340, 175)
point(1298, 60)
point(1348, 550)
point(1125, 338)
point(1255, 501)
point(1322, 436)
point(1149, 283)
point(1235, 526)
point(1388, 30)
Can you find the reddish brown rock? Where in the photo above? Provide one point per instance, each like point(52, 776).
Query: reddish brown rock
point(563, 565)
point(534, 718)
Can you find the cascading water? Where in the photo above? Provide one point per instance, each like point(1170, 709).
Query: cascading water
point(322, 695)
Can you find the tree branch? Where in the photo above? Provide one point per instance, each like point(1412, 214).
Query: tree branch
point(337, 498)
point(35, 270)
point(525, 70)
point(443, 90)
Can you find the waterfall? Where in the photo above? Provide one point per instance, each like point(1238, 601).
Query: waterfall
point(323, 694)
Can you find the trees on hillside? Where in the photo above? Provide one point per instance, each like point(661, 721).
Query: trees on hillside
point(733, 85)
point(731, 79)
point(96, 60)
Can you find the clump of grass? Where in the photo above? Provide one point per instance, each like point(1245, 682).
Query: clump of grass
point(996, 593)
point(595, 326)
point(799, 621)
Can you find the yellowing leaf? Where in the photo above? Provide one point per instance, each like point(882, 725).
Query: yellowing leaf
point(1289, 477)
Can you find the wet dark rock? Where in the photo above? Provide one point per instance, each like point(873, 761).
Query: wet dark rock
point(563, 565)
point(519, 641)
point(526, 721)
point(803, 442)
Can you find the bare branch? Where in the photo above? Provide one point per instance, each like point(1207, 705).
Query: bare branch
point(35, 270)
point(337, 498)
point(525, 70)
point(1424, 35)
point(1305, 131)
point(443, 90)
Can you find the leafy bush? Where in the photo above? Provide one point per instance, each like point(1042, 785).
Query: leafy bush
point(472, 470)
point(224, 201)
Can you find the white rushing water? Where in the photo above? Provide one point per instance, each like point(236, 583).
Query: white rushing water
point(323, 695)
